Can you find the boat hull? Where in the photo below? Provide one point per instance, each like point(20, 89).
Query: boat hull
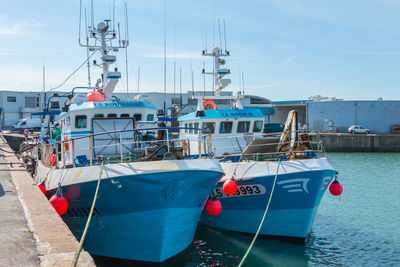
point(146, 216)
point(299, 189)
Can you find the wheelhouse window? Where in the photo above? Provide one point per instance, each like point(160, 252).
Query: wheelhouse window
point(80, 121)
point(191, 127)
point(243, 127)
point(209, 126)
point(124, 115)
point(196, 125)
point(137, 116)
point(150, 117)
point(112, 115)
point(98, 115)
point(225, 127)
point(257, 127)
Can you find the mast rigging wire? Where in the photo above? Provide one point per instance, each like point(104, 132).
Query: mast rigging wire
point(54, 88)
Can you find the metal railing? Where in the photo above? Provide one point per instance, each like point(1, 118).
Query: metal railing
point(64, 153)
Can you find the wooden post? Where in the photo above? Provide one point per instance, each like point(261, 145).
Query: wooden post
point(167, 139)
point(90, 150)
point(209, 142)
point(62, 153)
point(120, 148)
point(73, 151)
point(199, 145)
point(56, 144)
point(204, 145)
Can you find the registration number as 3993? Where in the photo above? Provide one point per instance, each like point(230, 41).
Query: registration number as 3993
point(242, 191)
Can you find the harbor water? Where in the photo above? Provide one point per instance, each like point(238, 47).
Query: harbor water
point(361, 228)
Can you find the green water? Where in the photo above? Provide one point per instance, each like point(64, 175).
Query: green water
point(361, 228)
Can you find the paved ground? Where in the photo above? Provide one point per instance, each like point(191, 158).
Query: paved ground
point(17, 247)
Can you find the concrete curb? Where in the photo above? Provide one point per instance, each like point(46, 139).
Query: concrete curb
point(55, 243)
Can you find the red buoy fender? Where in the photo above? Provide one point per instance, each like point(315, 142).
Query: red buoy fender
point(230, 186)
point(60, 203)
point(42, 187)
point(209, 104)
point(336, 188)
point(214, 207)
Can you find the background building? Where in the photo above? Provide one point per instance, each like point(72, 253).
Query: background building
point(17, 105)
point(377, 115)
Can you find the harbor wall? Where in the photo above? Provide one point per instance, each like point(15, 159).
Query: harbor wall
point(344, 142)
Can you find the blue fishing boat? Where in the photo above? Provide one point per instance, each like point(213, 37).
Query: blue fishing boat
point(285, 166)
point(150, 196)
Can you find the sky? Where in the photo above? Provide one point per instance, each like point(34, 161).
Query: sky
point(286, 49)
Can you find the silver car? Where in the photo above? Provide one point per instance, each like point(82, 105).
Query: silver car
point(358, 129)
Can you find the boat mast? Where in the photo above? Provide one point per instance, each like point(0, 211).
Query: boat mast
point(102, 33)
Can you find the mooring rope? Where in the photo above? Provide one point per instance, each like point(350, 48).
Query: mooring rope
point(263, 218)
point(78, 252)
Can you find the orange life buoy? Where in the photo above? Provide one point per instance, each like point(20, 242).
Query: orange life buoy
point(209, 104)
point(66, 144)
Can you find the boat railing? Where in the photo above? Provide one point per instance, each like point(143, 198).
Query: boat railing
point(270, 146)
point(130, 145)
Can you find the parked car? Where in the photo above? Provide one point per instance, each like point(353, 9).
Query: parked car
point(358, 129)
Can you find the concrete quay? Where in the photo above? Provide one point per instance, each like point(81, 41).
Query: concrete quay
point(346, 142)
point(31, 231)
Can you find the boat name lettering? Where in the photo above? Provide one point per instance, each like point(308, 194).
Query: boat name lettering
point(242, 191)
point(82, 212)
point(117, 104)
point(237, 114)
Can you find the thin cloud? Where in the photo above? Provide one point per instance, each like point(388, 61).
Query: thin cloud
point(20, 28)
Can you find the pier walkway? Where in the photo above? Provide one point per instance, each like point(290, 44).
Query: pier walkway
point(17, 244)
point(31, 232)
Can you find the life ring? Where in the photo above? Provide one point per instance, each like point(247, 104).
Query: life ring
point(66, 144)
point(209, 104)
point(185, 147)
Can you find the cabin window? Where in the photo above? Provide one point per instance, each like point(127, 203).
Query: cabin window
point(191, 126)
point(209, 126)
point(80, 121)
point(243, 127)
point(112, 115)
point(186, 130)
point(150, 117)
point(257, 127)
point(196, 125)
point(225, 127)
point(98, 115)
point(137, 116)
point(124, 115)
